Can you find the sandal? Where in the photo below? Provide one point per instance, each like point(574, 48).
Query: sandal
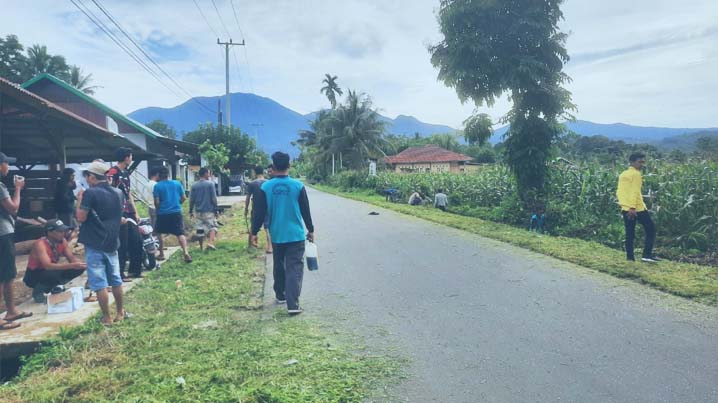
point(160, 258)
point(105, 324)
point(9, 325)
point(21, 316)
point(188, 259)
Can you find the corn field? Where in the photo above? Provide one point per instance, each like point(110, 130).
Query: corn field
point(581, 202)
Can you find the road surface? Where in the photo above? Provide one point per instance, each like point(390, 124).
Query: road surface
point(482, 321)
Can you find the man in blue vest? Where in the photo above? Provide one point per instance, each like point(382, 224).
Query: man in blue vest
point(284, 202)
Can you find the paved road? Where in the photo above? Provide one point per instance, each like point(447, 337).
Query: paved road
point(482, 321)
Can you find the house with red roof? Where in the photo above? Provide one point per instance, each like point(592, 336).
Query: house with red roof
point(429, 158)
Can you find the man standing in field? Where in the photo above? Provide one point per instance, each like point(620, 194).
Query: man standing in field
point(441, 200)
point(203, 201)
point(634, 209)
point(130, 238)
point(285, 201)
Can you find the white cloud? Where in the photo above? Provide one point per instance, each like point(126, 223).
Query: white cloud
point(645, 62)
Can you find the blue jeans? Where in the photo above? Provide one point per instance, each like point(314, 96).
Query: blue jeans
point(103, 269)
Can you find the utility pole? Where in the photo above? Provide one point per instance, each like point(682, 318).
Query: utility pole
point(226, 66)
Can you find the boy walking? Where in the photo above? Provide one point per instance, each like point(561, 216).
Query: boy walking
point(169, 196)
point(203, 201)
point(634, 209)
point(284, 200)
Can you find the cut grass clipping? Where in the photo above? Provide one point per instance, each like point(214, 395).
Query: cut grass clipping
point(686, 280)
point(205, 341)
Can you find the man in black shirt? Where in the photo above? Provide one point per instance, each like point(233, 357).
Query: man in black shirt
point(100, 212)
point(253, 189)
point(130, 238)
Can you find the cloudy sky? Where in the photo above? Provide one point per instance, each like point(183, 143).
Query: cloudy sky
point(642, 62)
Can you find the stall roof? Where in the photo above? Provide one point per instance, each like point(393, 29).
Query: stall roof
point(179, 145)
point(37, 131)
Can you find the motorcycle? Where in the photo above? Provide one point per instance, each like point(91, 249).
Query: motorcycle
point(150, 243)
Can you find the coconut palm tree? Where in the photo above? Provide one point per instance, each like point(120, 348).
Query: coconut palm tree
point(331, 89)
point(39, 61)
point(357, 132)
point(82, 81)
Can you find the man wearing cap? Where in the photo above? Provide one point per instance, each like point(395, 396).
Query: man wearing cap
point(8, 210)
point(100, 215)
point(130, 238)
point(44, 270)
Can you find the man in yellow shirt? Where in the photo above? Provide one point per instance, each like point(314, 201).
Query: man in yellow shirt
point(634, 209)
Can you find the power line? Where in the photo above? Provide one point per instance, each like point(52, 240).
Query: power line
point(124, 32)
point(246, 55)
point(220, 18)
point(216, 35)
point(91, 16)
point(234, 11)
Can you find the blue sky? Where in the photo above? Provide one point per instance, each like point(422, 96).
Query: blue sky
point(643, 62)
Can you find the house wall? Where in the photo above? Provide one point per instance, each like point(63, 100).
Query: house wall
point(435, 167)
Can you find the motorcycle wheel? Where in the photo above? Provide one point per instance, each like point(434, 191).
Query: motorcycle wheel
point(150, 262)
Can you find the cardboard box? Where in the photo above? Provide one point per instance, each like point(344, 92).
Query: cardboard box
point(66, 301)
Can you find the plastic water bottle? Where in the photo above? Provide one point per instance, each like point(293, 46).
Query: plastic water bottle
point(310, 251)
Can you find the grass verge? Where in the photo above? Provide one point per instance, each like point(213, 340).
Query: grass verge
point(686, 280)
point(206, 341)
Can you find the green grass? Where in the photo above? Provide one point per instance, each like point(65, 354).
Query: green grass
point(207, 341)
point(687, 280)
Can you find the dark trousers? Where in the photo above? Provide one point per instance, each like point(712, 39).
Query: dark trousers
point(288, 271)
point(46, 279)
point(130, 244)
point(649, 228)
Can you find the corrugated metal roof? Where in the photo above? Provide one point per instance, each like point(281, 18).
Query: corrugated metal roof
point(428, 153)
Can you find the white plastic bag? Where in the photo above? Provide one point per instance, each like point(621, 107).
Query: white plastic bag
point(310, 251)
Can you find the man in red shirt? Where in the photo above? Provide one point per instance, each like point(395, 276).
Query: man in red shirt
point(44, 270)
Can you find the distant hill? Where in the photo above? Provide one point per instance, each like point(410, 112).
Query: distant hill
point(617, 131)
point(684, 142)
point(275, 125)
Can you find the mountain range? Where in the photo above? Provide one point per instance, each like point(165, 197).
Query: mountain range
point(276, 126)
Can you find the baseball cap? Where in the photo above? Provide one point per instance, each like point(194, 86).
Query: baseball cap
point(4, 158)
point(97, 168)
point(56, 225)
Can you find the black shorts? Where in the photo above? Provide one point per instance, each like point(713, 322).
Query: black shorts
point(8, 272)
point(170, 224)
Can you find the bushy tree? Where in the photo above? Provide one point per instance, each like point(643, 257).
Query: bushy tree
point(478, 128)
point(491, 48)
point(12, 59)
point(161, 127)
point(242, 148)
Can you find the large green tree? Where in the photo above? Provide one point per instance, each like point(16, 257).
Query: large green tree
point(40, 61)
point(12, 59)
point(478, 129)
point(351, 133)
point(331, 89)
point(242, 148)
point(161, 127)
point(491, 48)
